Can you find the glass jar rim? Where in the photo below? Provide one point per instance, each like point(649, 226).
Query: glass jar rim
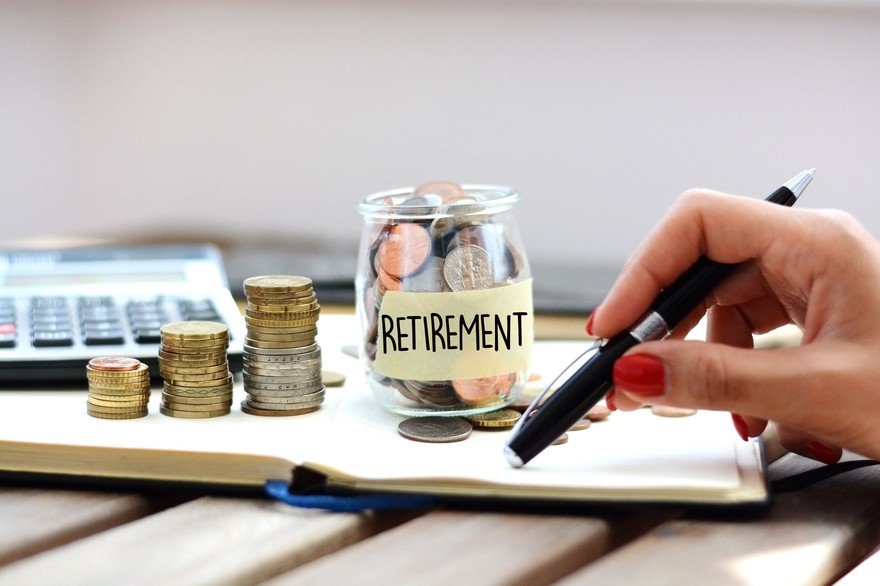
point(479, 200)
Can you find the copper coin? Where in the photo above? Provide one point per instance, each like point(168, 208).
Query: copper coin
point(404, 250)
point(562, 439)
point(598, 412)
point(448, 191)
point(476, 391)
point(114, 363)
point(667, 411)
point(435, 430)
point(580, 424)
point(387, 282)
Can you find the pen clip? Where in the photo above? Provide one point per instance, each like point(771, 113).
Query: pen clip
point(563, 376)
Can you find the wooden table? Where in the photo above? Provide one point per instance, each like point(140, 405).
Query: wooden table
point(812, 536)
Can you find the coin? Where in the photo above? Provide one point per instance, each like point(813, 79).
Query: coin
point(247, 408)
point(114, 363)
point(199, 408)
point(580, 424)
point(279, 359)
point(140, 371)
point(201, 400)
point(297, 330)
point(435, 429)
point(468, 268)
point(194, 330)
point(273, 323)
point(251, 386)
point(259, 393)
point(598, 412)
point(446, 190)
point(171, 368)
point(131, 415)
point(277, 284)
point(287, 308)
point(211, 377)
point(562, 439)
point(286, 402)
point(192, 414)
point(127, 396)
point(104, 409)
point(668, 411)
point(254, 351)
point(188, 346)
point(501, 419)
point(331, 378)
point(117, 403)
point(429, 279)
point(200, 383)
point(200, 359)
point(404, 250)
point(197, 391)
point(479, 391)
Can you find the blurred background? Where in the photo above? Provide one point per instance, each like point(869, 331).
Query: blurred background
point(258, 125)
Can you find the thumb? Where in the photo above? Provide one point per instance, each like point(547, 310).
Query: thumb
point(771, 384)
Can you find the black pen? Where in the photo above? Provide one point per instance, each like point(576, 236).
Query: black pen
point(588, 379)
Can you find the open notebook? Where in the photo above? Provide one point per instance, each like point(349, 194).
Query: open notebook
point(351, 444)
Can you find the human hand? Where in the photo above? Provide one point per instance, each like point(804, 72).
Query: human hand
point(819, 270)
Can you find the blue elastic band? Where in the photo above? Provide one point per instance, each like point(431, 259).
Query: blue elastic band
point(279, 490)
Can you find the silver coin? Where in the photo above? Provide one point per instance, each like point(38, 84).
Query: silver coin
point(430, 278)
point(255, 378)
point(468, 268)
point(268, 371)
point(252, 350)
point(283, 394)
point(281, 359)
point(259, 400)
point(287, 365)
point(435, 430)
point(282, 386)
point(198, 391)
point(284, 406)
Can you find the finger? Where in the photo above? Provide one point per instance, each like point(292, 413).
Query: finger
point(725, 228)
point(808, 446)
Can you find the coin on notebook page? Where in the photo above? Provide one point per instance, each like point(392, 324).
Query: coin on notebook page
point(501, 419)
point(435, 429)
point(114, 363)
point(667, 411)
point(332, 378)
point(469, 268)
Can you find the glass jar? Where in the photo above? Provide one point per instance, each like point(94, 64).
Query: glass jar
point(444, 299)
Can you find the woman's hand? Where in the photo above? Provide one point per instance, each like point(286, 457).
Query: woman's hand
point(817, 269)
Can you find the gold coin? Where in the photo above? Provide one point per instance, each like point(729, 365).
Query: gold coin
point(176, 378)
point(246, 408)
point(138, 372)
point(199, 384)
point(114, 363)
point(103, 409)
point(284, 309)
point(279, 345)
point(300, 301)
point(197, 391)
point(121, 386)
point(283, 337)
point(185, 345)
point(117, 404)
point(277, 284)
point(275, 331)
point(192, 414)
point(188, 360)
point(311, 313)
point(194, 330)
point(168, 369)
point(132, 415)
point(204, 400)
point(331, 378)
point(140, 396)
point(503, 418)
point(274, 323)
point(215, 406)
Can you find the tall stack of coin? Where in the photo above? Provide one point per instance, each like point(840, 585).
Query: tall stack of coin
point(119, 387)
point(282, 361)
point(193, 362)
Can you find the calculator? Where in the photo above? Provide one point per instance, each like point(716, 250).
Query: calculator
point(61, 308)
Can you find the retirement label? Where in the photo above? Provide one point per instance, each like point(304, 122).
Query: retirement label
point(455, 335)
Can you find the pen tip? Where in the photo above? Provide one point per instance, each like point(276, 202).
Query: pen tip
point(811, 171)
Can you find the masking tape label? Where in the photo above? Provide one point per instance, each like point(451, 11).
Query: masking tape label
point(455, 335)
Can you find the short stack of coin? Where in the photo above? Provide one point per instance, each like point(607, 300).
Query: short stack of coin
point(194, 364)
point(119, 387)
point(282, 361)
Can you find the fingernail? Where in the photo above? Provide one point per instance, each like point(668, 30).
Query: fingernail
point(589, 326)
point(824, 453)
point(740, 424)
point(640, 374)
point(610, 401)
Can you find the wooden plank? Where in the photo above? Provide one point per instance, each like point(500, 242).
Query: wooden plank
point(34, 520)
point(206, 541)
point(808, 537)
point(449, 547)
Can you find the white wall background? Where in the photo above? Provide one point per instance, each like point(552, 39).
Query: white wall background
point(248, 119)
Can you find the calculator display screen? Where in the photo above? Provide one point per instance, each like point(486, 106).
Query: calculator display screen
point(80, 278)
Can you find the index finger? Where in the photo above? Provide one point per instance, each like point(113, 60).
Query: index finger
point(725, 228)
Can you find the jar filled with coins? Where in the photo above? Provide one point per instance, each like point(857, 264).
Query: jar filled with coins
point(444, 298)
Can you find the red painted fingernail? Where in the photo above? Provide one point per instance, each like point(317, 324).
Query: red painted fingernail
point(639, 374)
point(740, 424)
point(824, 453)
point(610, 401)
point(589, 326)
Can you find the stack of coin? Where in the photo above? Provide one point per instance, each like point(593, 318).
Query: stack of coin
point(193, 362)
point(119, 387)
point(282, 361)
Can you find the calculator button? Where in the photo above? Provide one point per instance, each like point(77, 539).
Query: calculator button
point(59, 338)
point(202, 316)
point(102, 324)
point(52, 326)
point(96, 302)
point(147, 324)
point(51, 312)
point(103, 337)
point(7, 335)
point(48, 302)
point(147, 336)
point(99, 313)
point(7, 314)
